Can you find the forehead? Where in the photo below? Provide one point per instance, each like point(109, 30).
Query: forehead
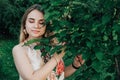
point(35, 14)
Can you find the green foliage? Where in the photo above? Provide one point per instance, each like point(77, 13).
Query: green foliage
point(90, 28)
point(7, 66)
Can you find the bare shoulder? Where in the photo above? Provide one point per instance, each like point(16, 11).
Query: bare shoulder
point(18, 49)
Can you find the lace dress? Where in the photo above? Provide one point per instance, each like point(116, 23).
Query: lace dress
point(37, 62)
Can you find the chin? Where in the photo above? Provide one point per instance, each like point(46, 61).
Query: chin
point(37, 36)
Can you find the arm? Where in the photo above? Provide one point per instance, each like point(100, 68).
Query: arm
point(25, 68)
point(78, 61)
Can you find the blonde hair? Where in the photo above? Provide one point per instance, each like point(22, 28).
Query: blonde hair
point(23, 34)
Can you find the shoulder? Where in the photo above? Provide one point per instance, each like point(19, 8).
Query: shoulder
point(18, 49)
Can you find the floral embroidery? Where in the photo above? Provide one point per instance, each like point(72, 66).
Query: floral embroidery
point(58, 73)
point(60, 67)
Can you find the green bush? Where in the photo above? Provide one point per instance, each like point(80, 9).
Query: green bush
point(90, 28)
point(7, 67)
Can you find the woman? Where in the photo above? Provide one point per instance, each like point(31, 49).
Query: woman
point(28, 61)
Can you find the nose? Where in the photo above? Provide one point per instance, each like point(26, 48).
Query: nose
point(36, 25)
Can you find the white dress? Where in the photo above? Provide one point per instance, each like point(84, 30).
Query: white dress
point(37, 62)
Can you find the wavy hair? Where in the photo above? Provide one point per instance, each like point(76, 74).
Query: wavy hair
point(24, 35)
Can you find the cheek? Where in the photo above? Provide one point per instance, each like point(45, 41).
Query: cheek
point(43, 31)
point(29, 25)
point(28, 29)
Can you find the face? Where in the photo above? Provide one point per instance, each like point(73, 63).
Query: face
point(35, 24)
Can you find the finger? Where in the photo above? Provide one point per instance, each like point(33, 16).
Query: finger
point(81, 61)
point(76, 58)
point(62, 52)
point(79, 57)
point(63, 43)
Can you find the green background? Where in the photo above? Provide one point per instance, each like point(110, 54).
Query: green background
point(90, 28)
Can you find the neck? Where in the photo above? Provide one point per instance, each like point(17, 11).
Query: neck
point(31, 38)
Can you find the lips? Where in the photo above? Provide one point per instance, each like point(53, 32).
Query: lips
point(35, 31)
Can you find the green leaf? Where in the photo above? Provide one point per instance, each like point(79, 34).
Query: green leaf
point(99, 55)
point(97, 66)
point(31, 41)
point(116, 27)
point(116, 50)
point(89, 44)
point(105, 19)
point(86, 17)
point(105, 37)
point(38, 47)
point(56, 49)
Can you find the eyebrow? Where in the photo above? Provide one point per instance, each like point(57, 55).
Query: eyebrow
point(34, 19)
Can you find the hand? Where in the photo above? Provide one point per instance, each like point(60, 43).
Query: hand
point(78, 61)
point(62, 52)
point(59, 56)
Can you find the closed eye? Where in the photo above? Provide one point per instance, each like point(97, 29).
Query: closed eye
point(42, 23)
point(31, 20)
